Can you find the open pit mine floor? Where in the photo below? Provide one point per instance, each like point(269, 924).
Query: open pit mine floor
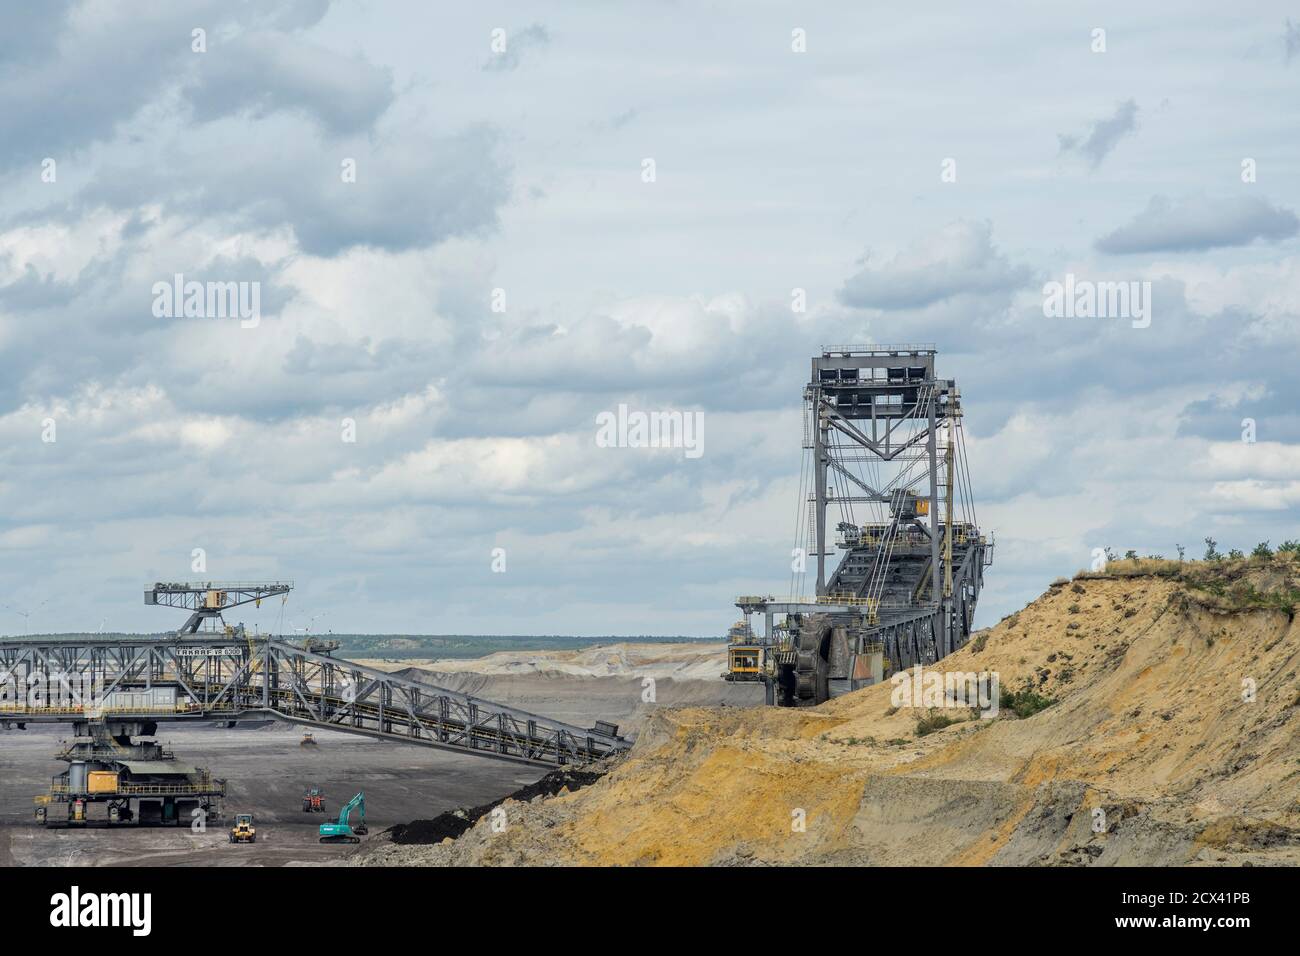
point(267, 769)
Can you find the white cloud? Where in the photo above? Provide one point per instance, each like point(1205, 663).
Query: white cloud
point(476, 428)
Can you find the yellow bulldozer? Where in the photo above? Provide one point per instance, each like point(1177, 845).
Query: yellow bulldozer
point(243, 831)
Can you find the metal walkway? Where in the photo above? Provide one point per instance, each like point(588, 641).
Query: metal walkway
point(231, 676)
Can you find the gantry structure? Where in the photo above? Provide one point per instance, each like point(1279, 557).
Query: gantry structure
point(885, 463)
point(114, 688)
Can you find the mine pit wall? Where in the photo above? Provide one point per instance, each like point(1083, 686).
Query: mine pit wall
point(1146, 731)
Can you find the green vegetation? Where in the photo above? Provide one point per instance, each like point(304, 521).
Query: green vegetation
point(1025, 702)
point(1233, 592)
point(1266, 578)
point(932, 721)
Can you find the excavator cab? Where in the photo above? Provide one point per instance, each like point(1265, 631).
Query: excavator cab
point(243, 831)
point(744, 662)
point(744, 654)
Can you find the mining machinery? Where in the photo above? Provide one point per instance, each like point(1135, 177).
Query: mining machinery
point(885, 461)
point(342, 831)
point(744, 654)
point(134, 782)
point(115, 690)
point(244, 830)
point(207, 600)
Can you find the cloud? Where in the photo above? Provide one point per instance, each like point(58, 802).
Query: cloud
point(518, 44)
point(475, 429)
point(959, 259)
point(1104, 135)
point(277, 116)
point(617, 121)
point(1291, 39)
point(100, 67)
point(409, 192)
point(262, 72)
point(1198, 223)
point(29, 31)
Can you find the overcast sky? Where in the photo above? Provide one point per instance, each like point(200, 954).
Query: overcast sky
point(920, 174)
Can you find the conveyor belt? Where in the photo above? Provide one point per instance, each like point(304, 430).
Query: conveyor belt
point(230, 677)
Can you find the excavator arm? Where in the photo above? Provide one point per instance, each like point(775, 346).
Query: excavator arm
point(357, 803)
point(343, 831)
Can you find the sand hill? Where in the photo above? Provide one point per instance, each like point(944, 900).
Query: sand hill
point(608, 682)
point(702, 661)
point(1153, 719)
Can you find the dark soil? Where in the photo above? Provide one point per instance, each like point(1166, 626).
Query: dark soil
point(455, 822)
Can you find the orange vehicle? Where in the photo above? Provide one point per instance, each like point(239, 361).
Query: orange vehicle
point(313, 801)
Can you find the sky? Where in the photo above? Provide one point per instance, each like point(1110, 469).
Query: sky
point(471, 230)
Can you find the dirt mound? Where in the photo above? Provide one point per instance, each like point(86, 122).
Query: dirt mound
point(1148, 716)
point(582, 700)
point(453, 823)
point(698, 661)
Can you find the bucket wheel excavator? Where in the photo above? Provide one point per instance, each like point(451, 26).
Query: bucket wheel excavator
point(886, 460)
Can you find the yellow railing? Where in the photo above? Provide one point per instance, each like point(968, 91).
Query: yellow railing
point(185, 707)
point(851, 600)
point(201, 785)
point(911, 540)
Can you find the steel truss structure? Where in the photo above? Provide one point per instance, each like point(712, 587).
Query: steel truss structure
point(885, 450)
point(230, 675)
point(208, 599)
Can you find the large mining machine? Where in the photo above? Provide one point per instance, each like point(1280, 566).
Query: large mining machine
point(115, 690)
point(886, 462)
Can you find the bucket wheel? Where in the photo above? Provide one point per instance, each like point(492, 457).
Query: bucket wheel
point(811, 664)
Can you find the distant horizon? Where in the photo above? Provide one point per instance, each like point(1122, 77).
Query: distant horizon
point(394, 634)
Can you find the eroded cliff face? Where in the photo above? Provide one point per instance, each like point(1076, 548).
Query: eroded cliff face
point(1172, 737)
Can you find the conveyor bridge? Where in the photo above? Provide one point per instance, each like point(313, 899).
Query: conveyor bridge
point(228, 675)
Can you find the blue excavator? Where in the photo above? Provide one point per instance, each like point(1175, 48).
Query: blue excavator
point(343, 831)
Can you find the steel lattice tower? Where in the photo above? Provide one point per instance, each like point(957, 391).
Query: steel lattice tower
point(888, 459)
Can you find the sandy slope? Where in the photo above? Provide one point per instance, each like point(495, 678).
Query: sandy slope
point(679, 661)
point(620, 683)
point(1150, 726)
